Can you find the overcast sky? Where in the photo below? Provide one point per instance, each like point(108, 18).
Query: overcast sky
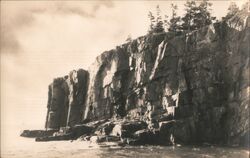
point(45, 39)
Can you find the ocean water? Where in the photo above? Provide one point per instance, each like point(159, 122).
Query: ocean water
point(28, 148)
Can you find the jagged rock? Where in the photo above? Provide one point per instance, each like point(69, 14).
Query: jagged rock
point(105, 129)
point(127, 129)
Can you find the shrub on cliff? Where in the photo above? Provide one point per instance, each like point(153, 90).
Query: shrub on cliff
point(232, 10)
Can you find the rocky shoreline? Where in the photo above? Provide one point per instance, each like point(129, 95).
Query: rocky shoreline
point(122, 131)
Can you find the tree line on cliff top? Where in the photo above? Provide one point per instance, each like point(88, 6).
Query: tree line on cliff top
point(196, 15)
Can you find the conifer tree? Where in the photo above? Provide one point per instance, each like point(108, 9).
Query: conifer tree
point(166, 22)
point(174, 22)
point(189, 16)
point(152, 21)
point(203, 16)
point(156, 23)
point(159, 23)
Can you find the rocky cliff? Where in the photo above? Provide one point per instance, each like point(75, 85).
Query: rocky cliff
point(201, 78)
point(66, 99)
point(191, 88)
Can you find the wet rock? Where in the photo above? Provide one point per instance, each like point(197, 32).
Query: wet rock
point(68, 134)
point(79, 130)
point(177, 131)
point(37, 133)
point(54, 138)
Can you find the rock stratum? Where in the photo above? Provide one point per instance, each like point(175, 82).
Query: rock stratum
point(158, 89)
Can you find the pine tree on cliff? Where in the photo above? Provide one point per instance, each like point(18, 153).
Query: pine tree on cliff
point(189, 16)
point(197, 16)
point(166, 22)
point(156, 23)
point(204, 17)
point(174, 22)
point(152, 21)
point(159, 23)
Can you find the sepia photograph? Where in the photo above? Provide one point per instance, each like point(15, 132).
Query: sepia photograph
point(125, 78)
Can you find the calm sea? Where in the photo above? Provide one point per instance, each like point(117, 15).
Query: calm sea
point(19, 147)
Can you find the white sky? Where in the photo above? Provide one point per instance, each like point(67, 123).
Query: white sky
point(41, 40)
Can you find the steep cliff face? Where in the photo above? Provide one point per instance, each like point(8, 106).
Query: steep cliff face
point(66, 99)
point(107, 79)
point(57, 104)
point(202, 79)
point(193, 88)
